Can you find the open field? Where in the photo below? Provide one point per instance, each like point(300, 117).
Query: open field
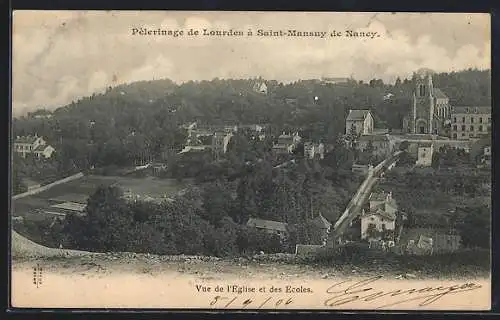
point(32, 207)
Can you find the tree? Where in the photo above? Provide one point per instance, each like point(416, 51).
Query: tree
point(475, 227)
point(404, 146)
point(17, 184)
point(107, 224)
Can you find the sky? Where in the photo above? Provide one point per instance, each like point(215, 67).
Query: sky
point(61, 56)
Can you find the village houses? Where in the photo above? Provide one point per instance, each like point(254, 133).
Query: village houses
point(380, 145)
point(380, 218)
point(313, 150)
point(32, 145)
point(272, 227)
point(287, 143)
point(260, 87)
point(361, 121)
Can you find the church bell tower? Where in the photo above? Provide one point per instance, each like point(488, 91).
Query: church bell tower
point(423, 104)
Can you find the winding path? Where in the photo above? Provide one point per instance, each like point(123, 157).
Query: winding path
point(353, 209)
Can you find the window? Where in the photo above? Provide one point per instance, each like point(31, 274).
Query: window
point(471, 119)
point(463, 134)
point(480, 119)
point(463, 127)
point(455, 127)
point(480, 128)
point(455, 119)
point(471, 128)
point(454, 136)
point(463, 119)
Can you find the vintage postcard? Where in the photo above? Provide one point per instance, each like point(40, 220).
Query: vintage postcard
point(251, 160)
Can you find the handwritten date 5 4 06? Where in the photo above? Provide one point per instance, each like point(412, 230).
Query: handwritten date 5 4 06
point(242, 302)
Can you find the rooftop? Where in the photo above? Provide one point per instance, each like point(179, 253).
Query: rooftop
point(374, 137)
point(472, 109)
point(72, 206)
point(357, 114)
point(26, 139)
point(439, 94)
point(425, 144)
point(321, 222)
point(378, 196)
point(267, 224)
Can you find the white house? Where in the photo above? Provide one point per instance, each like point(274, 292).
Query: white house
point(260, 87)
point(424, 154)
point(32, 145)
point(381, 215)
point(359, 120)
point(312, 150)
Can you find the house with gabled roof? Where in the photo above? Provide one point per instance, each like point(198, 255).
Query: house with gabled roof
point(34, 145)
point(380, 217)
point(272, 227)
point(260, 87)
point(323, 227)
point(361, 121)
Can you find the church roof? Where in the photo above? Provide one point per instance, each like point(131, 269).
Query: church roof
point(472, 109)
point(357, 114)
point(439, 94)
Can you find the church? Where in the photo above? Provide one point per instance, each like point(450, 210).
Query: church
point(430, 108)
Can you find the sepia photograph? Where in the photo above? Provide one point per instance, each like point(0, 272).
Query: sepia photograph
point(250, 160)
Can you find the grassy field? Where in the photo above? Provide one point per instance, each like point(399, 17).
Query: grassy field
point(79, 191)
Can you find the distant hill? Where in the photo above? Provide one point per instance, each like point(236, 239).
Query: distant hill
point(146, 105)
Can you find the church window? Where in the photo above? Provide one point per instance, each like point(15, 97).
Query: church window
point(471, 128)
point(463, 127)
point(480, 128)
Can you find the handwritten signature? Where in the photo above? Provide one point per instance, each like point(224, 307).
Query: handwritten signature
point(345, 292)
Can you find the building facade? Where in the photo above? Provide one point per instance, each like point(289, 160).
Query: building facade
point(360, 121)
point(272, 227)
point(380, 145)
point(32, 145)
point(429, 110)
point(380, 218)
point(424, 154)
point(469, 123)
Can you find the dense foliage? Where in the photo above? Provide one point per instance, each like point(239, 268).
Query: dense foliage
point(133, 124)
